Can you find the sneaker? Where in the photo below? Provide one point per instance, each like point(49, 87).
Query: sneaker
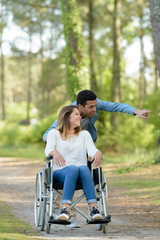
point(65, 214)
point(74, 223)
point(95, 215)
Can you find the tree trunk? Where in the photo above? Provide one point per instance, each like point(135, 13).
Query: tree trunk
point(93, 81)
point(2, 69)
point(29, 80)
point(154, 6)
point(115, 87)
point(73, 50)
point(2, 87)
point(155, 66)
point(142, 79)
point(42, 63)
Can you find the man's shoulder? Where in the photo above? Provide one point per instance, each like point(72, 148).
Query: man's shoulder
point(99, 102)
point(103, 105)
point(74, 103)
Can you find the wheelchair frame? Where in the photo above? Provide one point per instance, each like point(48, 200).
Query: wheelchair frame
point(44, 197)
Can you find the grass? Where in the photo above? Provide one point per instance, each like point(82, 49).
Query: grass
point(11, 228)
point(138, 177)
point(34, 151)
point(144, 185)
point(135, 173)
point(133, 161)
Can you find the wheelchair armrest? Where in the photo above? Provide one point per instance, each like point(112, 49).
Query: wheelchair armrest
point(48, 158)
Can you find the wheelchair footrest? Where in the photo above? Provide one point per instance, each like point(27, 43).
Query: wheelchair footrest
point(57, 221)
point(105, 220)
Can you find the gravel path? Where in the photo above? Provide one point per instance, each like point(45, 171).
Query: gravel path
point(131, 218)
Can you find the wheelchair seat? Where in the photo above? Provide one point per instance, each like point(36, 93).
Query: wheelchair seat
point(59, 186)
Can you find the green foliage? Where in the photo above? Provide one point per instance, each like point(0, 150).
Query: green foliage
point(29, 151)
point(133, 133)
point(14, 132)
point(139, 159)
point(152, 102)
point(16, 112)
point(44, 21)
point(51, 84)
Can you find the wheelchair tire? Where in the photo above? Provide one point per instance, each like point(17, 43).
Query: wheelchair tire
point(37, 200)
point(105, 190)
point(40, 200)
point(103, 204)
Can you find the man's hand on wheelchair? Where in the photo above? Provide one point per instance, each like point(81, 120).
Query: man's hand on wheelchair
point(58, 158)
point(97, 159)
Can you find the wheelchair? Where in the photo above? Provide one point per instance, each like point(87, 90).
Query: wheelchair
point(45, 193)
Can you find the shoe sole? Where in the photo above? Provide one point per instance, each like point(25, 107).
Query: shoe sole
point(63, 217)
point(97, 217)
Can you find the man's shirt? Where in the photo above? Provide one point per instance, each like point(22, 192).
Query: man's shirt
point(101, 105)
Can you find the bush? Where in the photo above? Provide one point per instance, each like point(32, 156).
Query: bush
point(16, 134)
point(133, 133)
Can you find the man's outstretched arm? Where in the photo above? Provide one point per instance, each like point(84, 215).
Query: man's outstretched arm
point(122, 107)
point(54, 125)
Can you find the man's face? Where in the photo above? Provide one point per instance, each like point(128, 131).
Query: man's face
point(89, 109)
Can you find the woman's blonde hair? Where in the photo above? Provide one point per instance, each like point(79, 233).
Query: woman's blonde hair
point(63, 124)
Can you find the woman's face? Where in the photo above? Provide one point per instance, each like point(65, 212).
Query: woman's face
point(74, 118)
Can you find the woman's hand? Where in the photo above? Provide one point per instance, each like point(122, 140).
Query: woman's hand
point(59, 160)
point(97, 159)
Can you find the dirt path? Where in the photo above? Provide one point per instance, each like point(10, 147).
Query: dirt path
point(131, 219)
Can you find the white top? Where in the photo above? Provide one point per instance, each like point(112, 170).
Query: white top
point(74, 150)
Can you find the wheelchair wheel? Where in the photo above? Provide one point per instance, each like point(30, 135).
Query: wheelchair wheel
point(40, 200)
point(103, 204)
point(105, 191)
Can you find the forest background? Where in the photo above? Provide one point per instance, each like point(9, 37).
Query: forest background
point(57, 48)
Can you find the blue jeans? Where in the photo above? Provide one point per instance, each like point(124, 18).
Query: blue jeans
point(71, 175)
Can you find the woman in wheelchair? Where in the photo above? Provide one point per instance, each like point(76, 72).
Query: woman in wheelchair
point(69, 146)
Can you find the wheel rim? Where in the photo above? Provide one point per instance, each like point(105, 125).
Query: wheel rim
point(43, 200)
point(37, 201)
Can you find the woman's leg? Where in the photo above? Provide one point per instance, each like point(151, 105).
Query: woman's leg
point(68, 176)
point(89, 191)
point(88, 185)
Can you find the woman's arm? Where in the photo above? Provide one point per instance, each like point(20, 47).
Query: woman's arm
point(97, 159)
point(51, 151)
point(59, 160)
point(93, 152)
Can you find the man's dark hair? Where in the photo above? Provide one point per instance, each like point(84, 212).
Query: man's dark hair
point(84, 96)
